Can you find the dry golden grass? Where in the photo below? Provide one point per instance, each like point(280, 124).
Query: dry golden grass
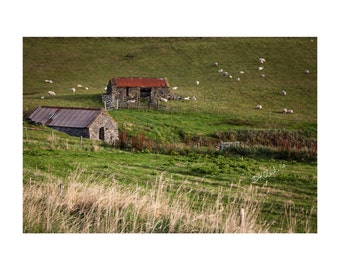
point(92, 207)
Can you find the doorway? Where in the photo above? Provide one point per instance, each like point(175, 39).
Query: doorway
point(145, 92)
point(101, 134)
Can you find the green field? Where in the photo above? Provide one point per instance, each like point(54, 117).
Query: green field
point(177, 143)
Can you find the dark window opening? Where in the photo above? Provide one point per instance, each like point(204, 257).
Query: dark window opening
point(101, 133)
point(109, 88)
point(145, 92)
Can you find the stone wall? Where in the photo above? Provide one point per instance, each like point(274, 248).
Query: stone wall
point(163, 92)
point(124, 94)
point(109, 128)
point(133, 93)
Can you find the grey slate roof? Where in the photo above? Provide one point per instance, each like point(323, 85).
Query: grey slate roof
point(64, 117)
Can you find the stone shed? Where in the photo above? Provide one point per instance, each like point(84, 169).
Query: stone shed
point(92, 123)
point(135, 88)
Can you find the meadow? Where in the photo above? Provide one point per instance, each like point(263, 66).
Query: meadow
point(166, 171)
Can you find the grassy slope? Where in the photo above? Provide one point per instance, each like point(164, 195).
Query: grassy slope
point(51, 154)
point(93, 61)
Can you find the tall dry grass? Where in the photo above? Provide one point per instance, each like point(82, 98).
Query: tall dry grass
point(91, 207)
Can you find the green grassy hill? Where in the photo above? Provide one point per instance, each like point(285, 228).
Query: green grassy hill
point(93, 61)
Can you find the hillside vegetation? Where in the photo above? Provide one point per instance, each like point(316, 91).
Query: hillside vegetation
point(176, 144)
point(93, 61)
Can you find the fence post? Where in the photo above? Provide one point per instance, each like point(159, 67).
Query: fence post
point(242, 221)
point(81, 140)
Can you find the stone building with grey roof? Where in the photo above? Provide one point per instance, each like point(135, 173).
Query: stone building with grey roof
point(92, 123)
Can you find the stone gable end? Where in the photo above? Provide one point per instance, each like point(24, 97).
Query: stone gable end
point(104, 128)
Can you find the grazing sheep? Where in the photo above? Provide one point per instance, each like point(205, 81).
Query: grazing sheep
point(220, 70)
point(263, 76)
point(197, 83)
point(215, 64)
point(306, 71)
point(225, 73)
point(230, 76)
point(174, 88)
point(79, 86)
point(242, 72)
point(73, 90)
point(186, 98)
point(290, 111)
point(284, 110)
point(283, 92)
point(194, 98)
point(258, 107)
point(86, 88)
point(48, 81)
point(42, 97)
point(260, 68)
point(262, 60)
point(51, 93)
point(238, 79)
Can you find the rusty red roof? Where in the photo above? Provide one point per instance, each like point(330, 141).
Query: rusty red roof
point(139, 82)
point(64, 117)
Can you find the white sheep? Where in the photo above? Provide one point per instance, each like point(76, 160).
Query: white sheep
point(238, 79)
point(197, 83)
point(306, 71)
point(220, 70)
point(242, 72)
point(260, 68)
point(225, 73)
point(215, 64)
point(230, 76)
point(42, 97)
point(186, 98)
point(164, 99)
point(283, 92)
point(258, 107)
point(79, 86)
point(48, 81)
point(86, 88)
point(73, 90)
point(263, 76)
point(290, 111)
point(194, 98)
point(284, 110)
point(262, 60)
point(174, 88)
point(51, 93)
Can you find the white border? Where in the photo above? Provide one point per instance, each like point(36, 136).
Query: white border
point(171, 18)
